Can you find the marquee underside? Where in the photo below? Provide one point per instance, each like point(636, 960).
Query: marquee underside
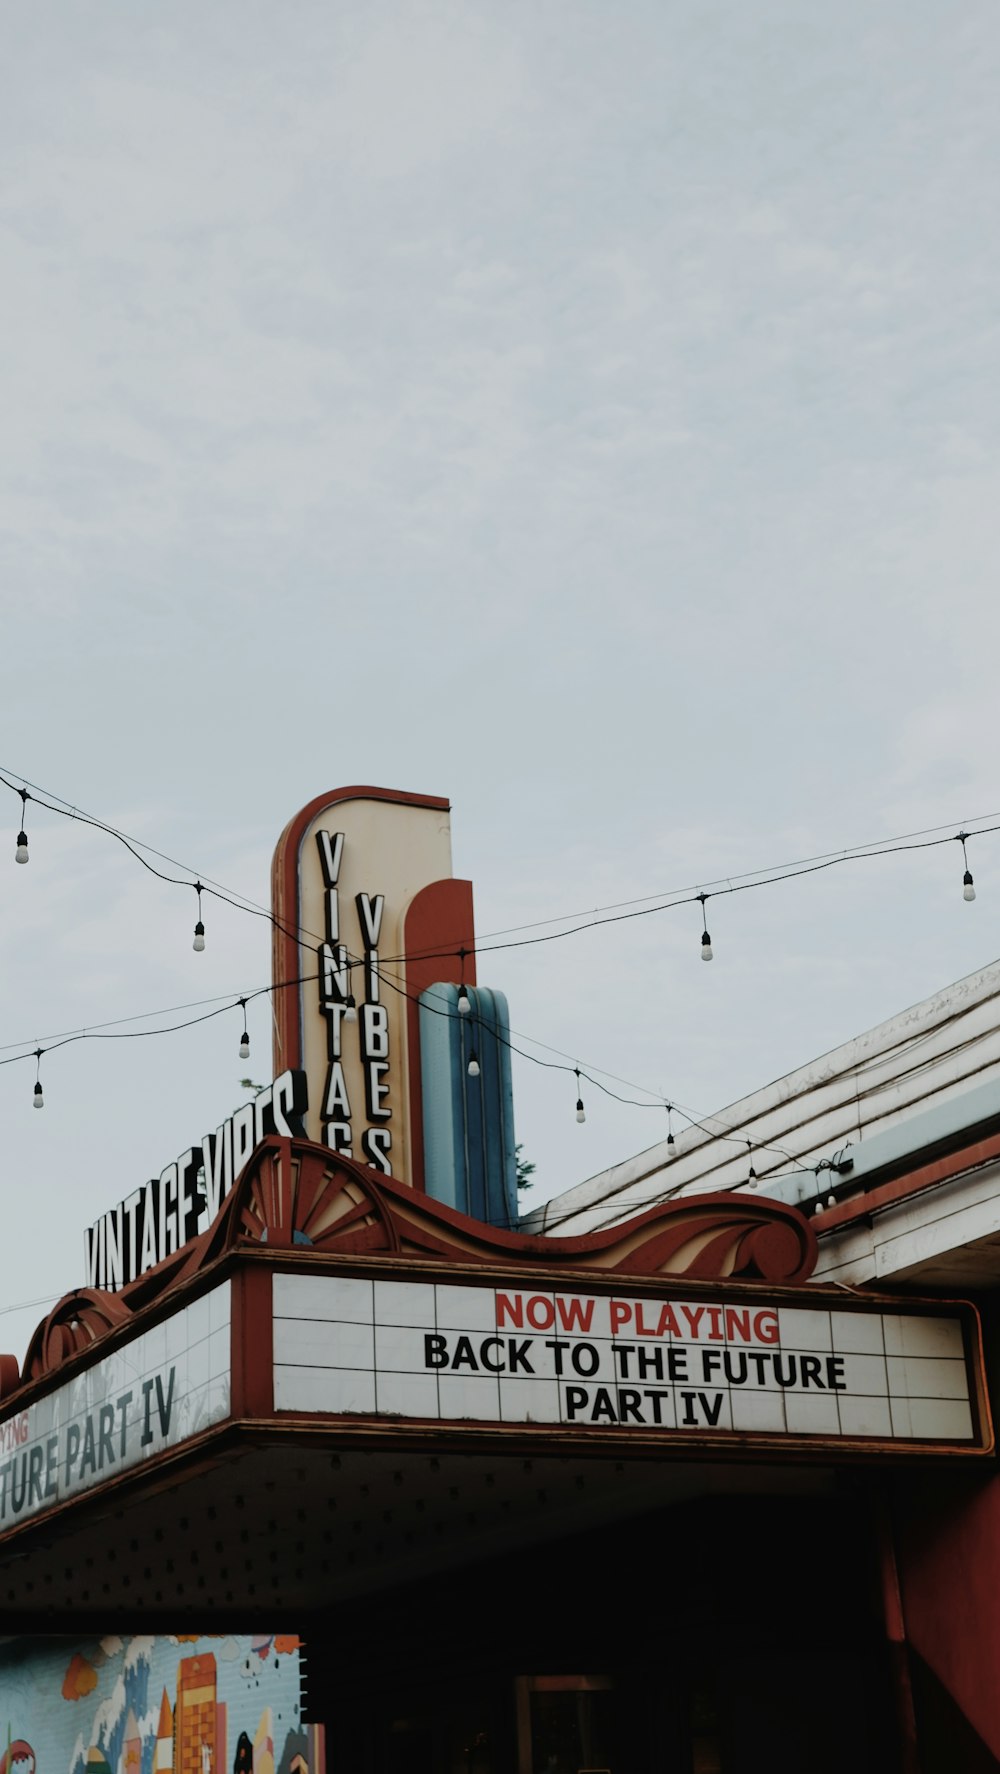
point(297, 1523)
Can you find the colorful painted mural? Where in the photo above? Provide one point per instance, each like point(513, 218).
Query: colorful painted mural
point(217, 1704)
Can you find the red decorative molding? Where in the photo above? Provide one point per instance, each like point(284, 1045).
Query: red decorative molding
point(72, 1326)
point(294, 1194)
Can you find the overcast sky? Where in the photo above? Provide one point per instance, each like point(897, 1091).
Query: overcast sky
point(584, 411)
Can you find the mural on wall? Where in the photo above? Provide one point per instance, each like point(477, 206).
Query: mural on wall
point(212, 1704)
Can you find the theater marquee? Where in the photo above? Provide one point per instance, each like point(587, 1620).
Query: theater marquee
point(163, 1388)
point(723, 1365)
point(329, 1305)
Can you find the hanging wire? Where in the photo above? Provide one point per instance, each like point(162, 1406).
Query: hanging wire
point(223, 1006)
point(304, 938)
point(729, 884)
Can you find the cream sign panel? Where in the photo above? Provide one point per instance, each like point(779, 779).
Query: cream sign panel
point(516, 1355)
point(160, 1389)
point(360, 865)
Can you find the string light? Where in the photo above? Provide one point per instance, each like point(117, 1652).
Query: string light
point(968, 889)
point(464, 1007)
point(111, 1032)
point(21, 853)
point(199, 929)
point(670, 1130)
point(350, 1006)
point(725, 1134)
point(581, 1113)
point(244, 1038)
point(473, 1067)
point(759, 878)
point(706, 940)
point(765, 877)
point(731, 884)
point(39, 1100)
point(751, 1173)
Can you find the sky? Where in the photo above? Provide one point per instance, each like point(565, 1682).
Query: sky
point(582, 411)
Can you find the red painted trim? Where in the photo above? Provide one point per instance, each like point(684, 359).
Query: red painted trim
point(439, 917)
point(940, 1170)
point(948, 1549)
point(434, 1435)
point(287, 957)
point(895, 1632)
point(252, 1364)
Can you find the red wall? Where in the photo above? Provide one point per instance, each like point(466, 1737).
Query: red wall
point(948, 1551)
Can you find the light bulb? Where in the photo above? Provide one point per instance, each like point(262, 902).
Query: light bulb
point(464, 1007)
point(706, 946)
point(351, 1012)
point(473, 1067)
point(199, 937)
point(21, 853)
point(968, 891)
point(670, 1140)
point(581, 1113)
point(39, 1099)
point(245, 1046)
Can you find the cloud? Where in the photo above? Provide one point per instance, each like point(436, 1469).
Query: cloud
point(425, 87)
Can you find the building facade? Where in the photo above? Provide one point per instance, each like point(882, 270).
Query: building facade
point(706, 1486)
